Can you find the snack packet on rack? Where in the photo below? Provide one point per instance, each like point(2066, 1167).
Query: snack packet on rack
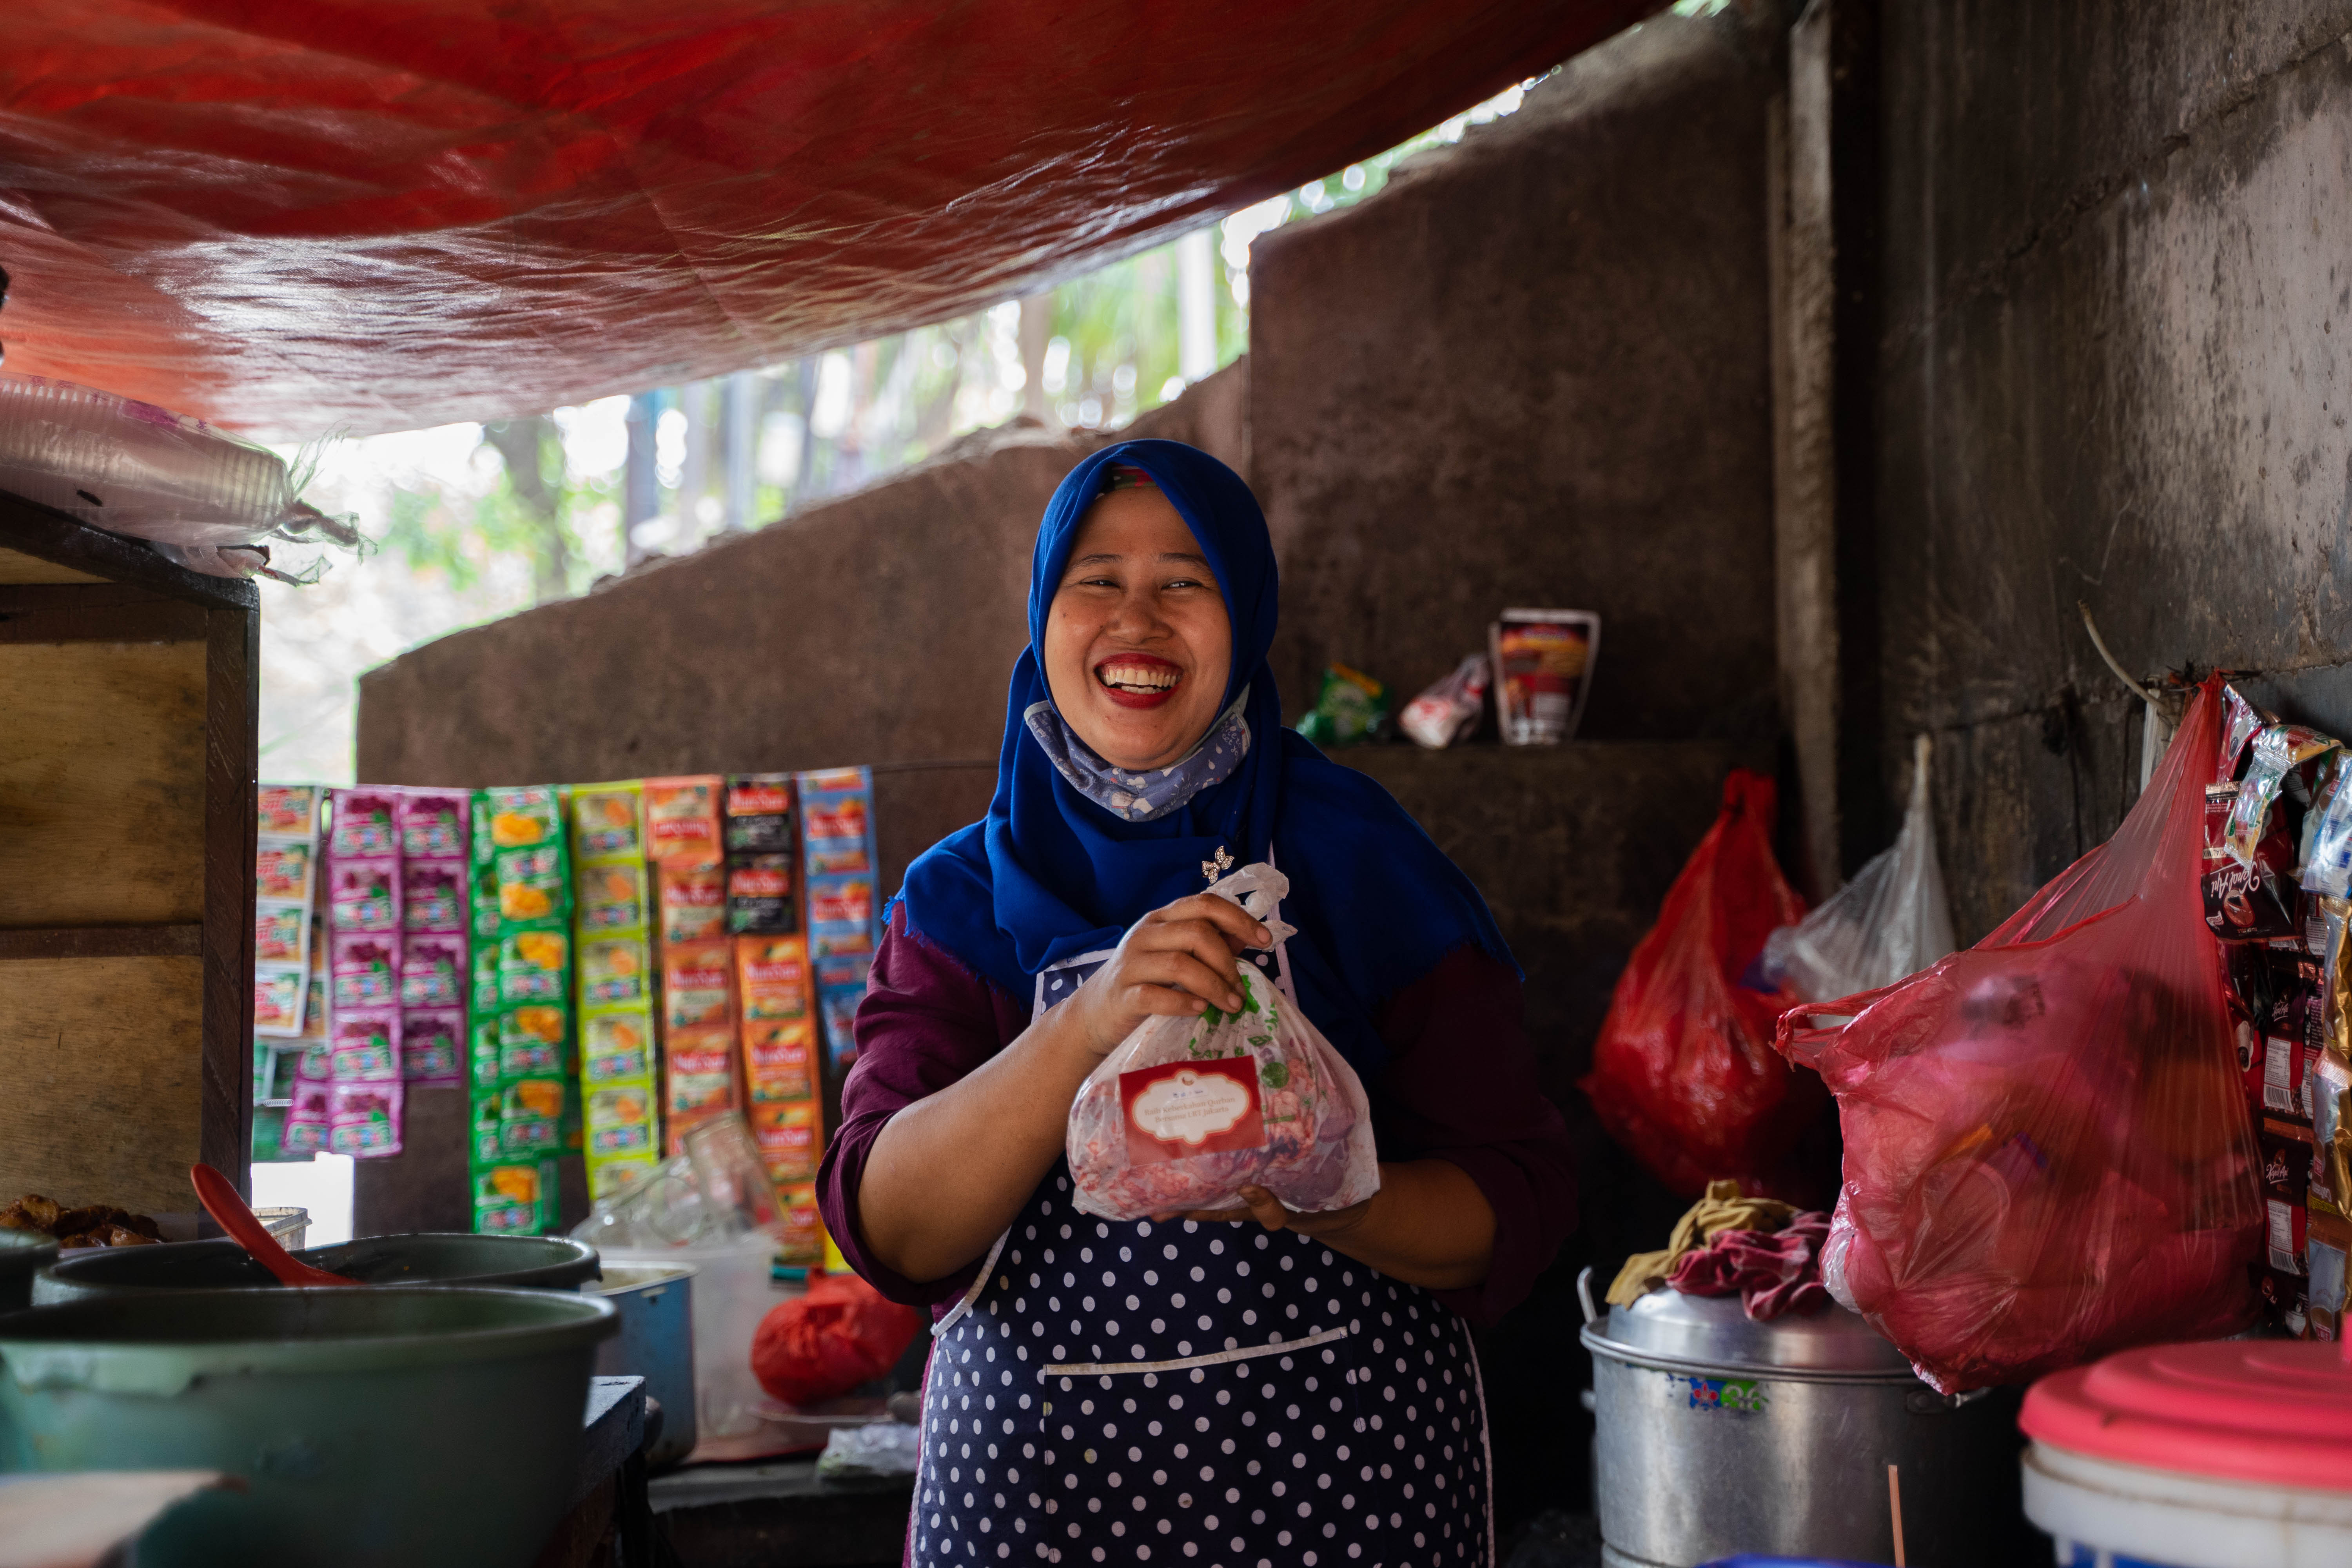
point(682, 820)
point(433, 1045)
point(614, 932)
point(364, 970)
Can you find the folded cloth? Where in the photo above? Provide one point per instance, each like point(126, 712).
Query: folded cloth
point(1772, 1272)
point(1723, 1208)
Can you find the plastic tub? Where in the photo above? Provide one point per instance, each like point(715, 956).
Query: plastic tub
point(23, 1254)
point(426, 1257)
point(2230, 1454)
point(385, 1427)
point(733, 1290)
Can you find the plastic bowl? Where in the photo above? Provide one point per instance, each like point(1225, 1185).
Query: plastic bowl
point(23, 1254)
point(451, 1257)
point(398, 1425)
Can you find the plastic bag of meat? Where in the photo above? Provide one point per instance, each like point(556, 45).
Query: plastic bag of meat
point(2047, 1151)
point(1186, 1110)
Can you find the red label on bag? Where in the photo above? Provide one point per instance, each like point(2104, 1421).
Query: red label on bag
point(1181, 1108)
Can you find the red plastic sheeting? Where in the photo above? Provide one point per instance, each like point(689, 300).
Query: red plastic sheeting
point(286, 214)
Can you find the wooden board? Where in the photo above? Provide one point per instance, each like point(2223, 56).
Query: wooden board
point(15, 567)
point(102, 785)
point(100, 1061)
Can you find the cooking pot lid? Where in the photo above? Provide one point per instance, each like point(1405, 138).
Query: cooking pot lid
point(1716, 1330)
point(2274, 1411)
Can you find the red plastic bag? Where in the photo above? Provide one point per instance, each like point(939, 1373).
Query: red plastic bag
point(1683, 1074)
point(820, 1345)
point(2047, 1151)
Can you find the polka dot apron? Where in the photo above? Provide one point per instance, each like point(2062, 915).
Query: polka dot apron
point(1211, 1395)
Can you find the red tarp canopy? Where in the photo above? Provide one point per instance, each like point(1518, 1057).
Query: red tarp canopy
point(288, 215)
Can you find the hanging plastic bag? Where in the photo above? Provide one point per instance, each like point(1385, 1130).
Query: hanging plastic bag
point(1683, 1074)
point(2047, 1151)
point(820, 1345)
point(1188, 1110)
point(1890, 921)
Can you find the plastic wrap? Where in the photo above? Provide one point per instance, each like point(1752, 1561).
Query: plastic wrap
point(1890, 921)
point(1683, 1074)
point(2047, 1151)
point(1187, 1110)
point(288, 217)
point(203, 500)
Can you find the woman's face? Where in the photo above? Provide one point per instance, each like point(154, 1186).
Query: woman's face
point(1137, 646)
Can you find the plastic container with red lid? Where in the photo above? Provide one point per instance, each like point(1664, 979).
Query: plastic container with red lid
point(2225, 1454)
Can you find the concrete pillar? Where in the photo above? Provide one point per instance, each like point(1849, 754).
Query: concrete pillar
point(640, 485)
point(743, 442)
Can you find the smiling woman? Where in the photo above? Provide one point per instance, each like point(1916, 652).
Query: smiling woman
point(1144, 758)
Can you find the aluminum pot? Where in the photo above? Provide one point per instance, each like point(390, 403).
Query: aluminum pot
point(1716, 1435)
point(655, 1343)
point(425, 1258)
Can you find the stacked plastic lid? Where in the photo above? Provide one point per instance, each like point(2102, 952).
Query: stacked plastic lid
point(199, 496)
point(2275, 1412)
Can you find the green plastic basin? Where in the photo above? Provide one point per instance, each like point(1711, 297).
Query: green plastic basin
point(398, 1425)
point(23, 1254)
point(453, 1258)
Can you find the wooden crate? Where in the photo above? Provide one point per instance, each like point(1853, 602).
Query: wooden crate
point(128, 697)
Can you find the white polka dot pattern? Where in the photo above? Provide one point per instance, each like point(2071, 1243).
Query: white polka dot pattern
point(1367, 1447)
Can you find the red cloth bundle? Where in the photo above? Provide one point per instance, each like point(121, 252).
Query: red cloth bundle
point(1772, 1272)
point(820, 1345)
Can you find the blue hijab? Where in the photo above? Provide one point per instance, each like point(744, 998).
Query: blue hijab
point(1050, 874)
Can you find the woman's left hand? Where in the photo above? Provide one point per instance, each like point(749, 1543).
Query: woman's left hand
point(1429, 1224)
point(1268, 1211)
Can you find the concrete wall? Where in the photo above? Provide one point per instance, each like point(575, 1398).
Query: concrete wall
point(2117, 239)
point(1534, 371)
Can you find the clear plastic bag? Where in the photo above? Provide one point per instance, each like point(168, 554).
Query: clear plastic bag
point(2047, 1151)
point(1449, 711)
point(1890, 921)
point(202, 497)
point(1188, 1110)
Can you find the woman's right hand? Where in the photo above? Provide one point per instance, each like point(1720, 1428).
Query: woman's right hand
point(1175, 962)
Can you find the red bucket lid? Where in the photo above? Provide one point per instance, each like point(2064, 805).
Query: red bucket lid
point(2277, 1412)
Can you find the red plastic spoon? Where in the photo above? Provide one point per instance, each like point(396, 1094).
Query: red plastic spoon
point(232, 1213)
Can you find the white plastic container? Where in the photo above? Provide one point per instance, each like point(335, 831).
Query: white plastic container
point(2100, 1511)
point(2229, 1454)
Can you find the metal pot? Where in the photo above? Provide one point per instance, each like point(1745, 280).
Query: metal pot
point(427, 1257)
point(656, 1343)
point(1717, 1434)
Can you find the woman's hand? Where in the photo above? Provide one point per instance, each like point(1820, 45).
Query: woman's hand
point(1429, 1224)
point(1175, 962)
point(1268, 1211)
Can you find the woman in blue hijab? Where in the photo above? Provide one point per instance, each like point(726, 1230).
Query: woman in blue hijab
point(1250, 1386)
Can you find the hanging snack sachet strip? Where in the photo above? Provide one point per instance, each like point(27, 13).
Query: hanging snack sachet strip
point(686, 853)
point(837, 852)
point(613, 936)
point(365, 904)
point(285, 883)
point(519, 1006)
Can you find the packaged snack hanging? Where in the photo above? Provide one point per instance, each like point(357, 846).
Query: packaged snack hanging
point(1188, 1110)
point(1683, 1074)
point(2048, 1154)
point(1891, 920)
